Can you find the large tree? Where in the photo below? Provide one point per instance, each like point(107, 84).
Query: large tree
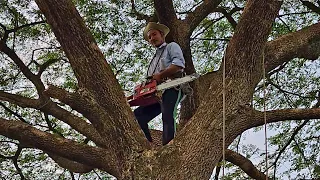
point(105, 134)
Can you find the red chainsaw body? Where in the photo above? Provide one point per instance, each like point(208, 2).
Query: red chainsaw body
point(144, 94)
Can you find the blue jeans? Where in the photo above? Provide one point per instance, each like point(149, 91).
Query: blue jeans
point(167, 107)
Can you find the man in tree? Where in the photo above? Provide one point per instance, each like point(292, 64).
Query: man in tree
point(167, 63)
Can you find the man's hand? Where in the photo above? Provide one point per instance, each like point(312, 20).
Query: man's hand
point(166, 73)
point(157, 77)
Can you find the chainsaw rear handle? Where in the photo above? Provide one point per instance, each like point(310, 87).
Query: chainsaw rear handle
point(129, 97)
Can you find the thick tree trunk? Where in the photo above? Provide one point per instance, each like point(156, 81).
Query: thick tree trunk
point(98, 86)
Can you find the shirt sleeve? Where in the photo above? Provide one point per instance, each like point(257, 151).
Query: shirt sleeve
point(176, 55)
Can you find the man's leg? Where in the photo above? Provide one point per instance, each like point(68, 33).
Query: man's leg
point(144, 114)
point(169, 104)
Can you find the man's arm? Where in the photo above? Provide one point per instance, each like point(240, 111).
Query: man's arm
point(177, 62)
point(167, 72)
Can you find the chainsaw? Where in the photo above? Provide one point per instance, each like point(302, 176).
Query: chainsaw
point(147, 92)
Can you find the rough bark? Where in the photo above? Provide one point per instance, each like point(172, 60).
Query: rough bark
point(197, 148)
point(96, 79)
point(245, 165)
point(92, 156)
point(304, 43)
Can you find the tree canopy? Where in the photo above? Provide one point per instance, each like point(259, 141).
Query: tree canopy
point(66, 67)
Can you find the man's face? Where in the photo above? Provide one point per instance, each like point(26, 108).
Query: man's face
point(155, 37)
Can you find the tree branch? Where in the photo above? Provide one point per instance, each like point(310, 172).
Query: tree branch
point(13, 113)
point(194, 18)
point(311, 6)
point(45, 65)
point(81, 101)
point(245, 164)
point(245, 33)
point(19, 100)
point(95, 75)
point(15, 162)
point(257, 118)
point(304, 43)
point(228, 15)
point(72, 166)
point(165, 11)
point(94, 156)
point(294, 133)
point(231, 156)
point(25, 25)
point(137, 14)
point(24, 69)
point(53, 109)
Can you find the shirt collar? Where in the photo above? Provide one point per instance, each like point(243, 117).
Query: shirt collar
point(162, 45)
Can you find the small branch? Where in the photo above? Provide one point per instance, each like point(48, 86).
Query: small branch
point(295, 132)
point(285, 91)
point(300, 151)
point(24, 69)
point(5, 157)
point(3, 27)
point(287, 26)
point(238, 143)
point(6, 33)
point(207, 27)
point(25, 25)
point(13, 113)
point(194, 18)
point(15, 162)
point(296, 13)
point(278, 69)
point(51, 128)
point(228, 15)
point(45, 65)
point(137, 14)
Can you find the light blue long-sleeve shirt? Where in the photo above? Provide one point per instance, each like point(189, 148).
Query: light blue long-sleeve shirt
point(166, 55)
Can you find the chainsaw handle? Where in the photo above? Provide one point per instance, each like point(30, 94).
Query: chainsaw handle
point(129, 97)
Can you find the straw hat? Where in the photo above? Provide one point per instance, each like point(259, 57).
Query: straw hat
point(152, 25)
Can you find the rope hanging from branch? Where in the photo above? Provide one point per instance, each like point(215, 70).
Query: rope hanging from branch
point(265, 113)
point(224, 112)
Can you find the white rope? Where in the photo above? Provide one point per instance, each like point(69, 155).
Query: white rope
point(224, 113)
point(265, 113)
